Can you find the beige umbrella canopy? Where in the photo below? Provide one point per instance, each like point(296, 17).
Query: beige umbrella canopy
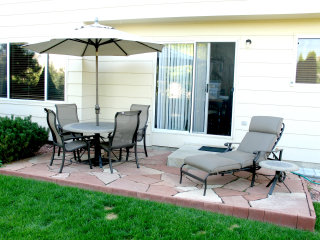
point(96, 40)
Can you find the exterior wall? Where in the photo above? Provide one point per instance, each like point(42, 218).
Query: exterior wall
point(264, 80)
point(264, 74)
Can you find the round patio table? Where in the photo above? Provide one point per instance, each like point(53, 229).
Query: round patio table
point(92, 128)
point(280, 167)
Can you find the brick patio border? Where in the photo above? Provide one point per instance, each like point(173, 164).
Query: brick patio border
point(279, 218)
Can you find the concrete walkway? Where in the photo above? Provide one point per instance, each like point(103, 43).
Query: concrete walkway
point(154, 180)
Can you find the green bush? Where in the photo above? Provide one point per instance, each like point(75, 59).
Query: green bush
point(20, 138)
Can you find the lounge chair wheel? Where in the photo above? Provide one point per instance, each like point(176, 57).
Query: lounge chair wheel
point(282, 176)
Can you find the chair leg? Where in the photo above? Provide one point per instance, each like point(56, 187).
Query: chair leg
point(63, 158)
point(253, 175)
point(78, 153)
point(110, 162)
point(120, 154)
point(181, 172)
point(136, 155)
point(89, 159)
point(74, 156)
point(205, 184)
point(144, 145)
point(59, 151)
point(53, 153)
point(127, 156)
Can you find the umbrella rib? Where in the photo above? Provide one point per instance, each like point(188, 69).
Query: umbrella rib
point(85, 49)
point(54, 46)
point(115, 42)
point(148, 46)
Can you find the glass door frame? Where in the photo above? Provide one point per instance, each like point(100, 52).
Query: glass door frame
point(190, 132)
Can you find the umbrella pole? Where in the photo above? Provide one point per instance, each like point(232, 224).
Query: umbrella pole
point(97, 107)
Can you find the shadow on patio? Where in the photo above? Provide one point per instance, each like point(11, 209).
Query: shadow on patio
point(154, 180)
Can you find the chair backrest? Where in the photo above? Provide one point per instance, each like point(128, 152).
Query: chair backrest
point(264, 133)
point(51, 120)
point(125, 129)
point(66, 113)
point(144, 113)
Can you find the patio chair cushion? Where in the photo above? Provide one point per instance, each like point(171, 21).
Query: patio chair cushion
point(74, 145)
point(212, 163)
point(243, 158)
point(256, 141)
point(266, 124)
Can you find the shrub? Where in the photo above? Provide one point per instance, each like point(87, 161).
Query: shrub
point(20, 138)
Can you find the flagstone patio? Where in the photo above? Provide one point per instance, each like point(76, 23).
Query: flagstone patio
point(154, 180)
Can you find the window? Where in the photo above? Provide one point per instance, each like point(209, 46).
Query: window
point(26, 74)
point(3, 70)
point(31, 76)
point(308, 61)
point(56, 76)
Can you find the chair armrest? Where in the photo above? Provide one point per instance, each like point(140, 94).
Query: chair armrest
point(275, 156)
point(258, 154)
point(229, 145)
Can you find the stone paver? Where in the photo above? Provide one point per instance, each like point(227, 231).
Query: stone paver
point(142, 179)
point(162, 190)
point(236, 201)
point(129, 185)
point(106, 177)
point(238, 185)
point(223, 192)
point(210, 196)
point(85, 178)
point(61, 175)
point(186, 189)
point(37, 170)
point(293, 203)
point(155, 176)
point(18, 165)
point(173, 181)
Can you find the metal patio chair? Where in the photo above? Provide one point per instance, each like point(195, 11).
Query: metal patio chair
point(257, 145)
point(141, 135)
point(124, 135)
point(67, 113)
point(70, 145)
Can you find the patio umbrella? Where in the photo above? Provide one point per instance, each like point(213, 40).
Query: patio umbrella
point(96, 40)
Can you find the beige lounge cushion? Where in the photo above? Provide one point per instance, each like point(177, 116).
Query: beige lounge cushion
point(243, 158)
point(212, 163)
point(266, 124)
point(256, 141)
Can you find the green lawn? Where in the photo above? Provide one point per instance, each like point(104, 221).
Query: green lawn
point(38, 210)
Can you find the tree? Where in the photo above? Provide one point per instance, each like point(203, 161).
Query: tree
point(307, 69)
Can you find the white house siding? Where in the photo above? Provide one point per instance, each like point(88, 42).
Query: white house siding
point(264, 80)
point(264, 74)
point(122, 82)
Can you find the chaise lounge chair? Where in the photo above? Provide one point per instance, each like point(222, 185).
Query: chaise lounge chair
point(257, 145)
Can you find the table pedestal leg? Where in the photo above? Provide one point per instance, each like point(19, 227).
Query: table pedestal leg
point(97, 149)
point(274, 182)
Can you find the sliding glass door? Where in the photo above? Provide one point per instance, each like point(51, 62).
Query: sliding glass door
point(213, 88)
point(206, 73)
